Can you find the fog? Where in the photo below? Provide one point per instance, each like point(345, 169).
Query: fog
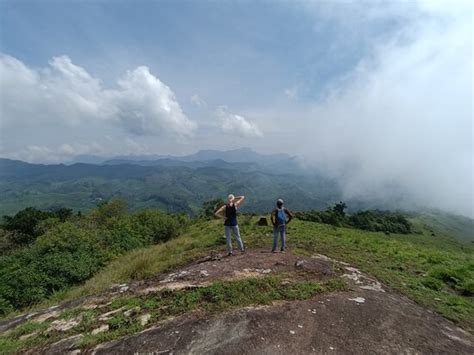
point(400, 124)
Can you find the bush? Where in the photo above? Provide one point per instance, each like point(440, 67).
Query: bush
point(25, 224)
point(71, 252)
point(371, 220)
point(210, 207)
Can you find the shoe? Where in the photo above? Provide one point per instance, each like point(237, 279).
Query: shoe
point(229, 254)
point(242, 251)
point(273, 251)
point(282, 251)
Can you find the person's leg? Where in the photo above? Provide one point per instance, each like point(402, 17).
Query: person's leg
point(238, 238)
point(283, 237)
point(228, 239)
point(275, 238)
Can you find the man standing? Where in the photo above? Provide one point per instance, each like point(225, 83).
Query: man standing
point(230, 221)
point(279, 222)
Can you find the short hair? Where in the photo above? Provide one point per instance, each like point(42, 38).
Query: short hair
point(279, 202)
point(230, 197)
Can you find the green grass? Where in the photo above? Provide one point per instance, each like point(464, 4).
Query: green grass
point(437, 272)
point(164, 304)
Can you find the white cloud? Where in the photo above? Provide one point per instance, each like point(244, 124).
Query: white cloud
point(236, 124)
point(67, 94)
point(198, 101)
point(403, 118)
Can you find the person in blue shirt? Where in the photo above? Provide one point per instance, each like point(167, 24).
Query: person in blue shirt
point(279, 220)
point(229, 213)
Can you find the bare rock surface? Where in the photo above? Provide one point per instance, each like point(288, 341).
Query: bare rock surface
point(369, 318)
point(384, 323)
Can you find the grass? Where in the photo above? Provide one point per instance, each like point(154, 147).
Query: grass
point(435, 271)
point(164, 304)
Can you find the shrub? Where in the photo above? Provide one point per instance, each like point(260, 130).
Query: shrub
point(71, 252)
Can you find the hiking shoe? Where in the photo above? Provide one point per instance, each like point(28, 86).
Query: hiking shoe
point(274, 251)
point(229, 254)
point(282, 251)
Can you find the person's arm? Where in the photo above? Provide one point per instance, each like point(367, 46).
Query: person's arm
point(239, 200)
point(219, 212)
point(289, 214)
point(273, 217)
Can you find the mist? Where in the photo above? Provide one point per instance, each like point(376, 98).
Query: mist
point(399, 126)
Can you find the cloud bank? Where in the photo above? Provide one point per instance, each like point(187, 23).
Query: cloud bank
point(67, 94)
point(401, 122)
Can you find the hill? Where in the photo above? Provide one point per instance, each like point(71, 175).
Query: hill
point(343, 284)
point(170, 185)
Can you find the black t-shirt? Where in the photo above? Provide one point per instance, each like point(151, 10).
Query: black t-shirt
point(231, 215)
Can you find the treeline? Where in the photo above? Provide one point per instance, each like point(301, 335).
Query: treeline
point(45, 252)
point(370, 220)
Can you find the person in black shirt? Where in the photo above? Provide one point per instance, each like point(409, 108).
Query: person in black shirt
point(229, 213)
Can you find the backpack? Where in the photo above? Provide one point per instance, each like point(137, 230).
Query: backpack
point(280, 216)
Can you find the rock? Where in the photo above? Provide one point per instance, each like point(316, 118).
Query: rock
point(357, 299)
point(26, 336)
point(63, 325)
point(215, 255)
point(107, 315)
point(41, 318)
point(262, 221)
point(64, 345)
point(144, 319)
point(292, 332)
point(266, 271)
point(300, 264)
point(131, 311)
point(101, 329)
point(280, 263)
point(204, 273)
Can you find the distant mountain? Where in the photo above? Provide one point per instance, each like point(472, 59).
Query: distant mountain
point(279, 162)
point(244, 158)
point(168, 184)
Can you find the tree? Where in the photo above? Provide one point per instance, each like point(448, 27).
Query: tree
point(209, 207)
point(339, 208)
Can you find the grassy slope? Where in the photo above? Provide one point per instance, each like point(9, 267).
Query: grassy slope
point(411, 264)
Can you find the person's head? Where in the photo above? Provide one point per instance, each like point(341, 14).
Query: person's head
point(230, 198)
point(279, 203)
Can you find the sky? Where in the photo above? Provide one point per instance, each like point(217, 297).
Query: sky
point(377, 94)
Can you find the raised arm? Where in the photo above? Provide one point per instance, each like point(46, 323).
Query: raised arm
point(219, 212)
point(239, 200)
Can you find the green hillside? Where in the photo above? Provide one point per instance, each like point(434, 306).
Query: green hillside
point(87, 255)
point(170, 188)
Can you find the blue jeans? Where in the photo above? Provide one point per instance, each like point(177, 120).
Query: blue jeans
point(236, 232)
point(279, 230)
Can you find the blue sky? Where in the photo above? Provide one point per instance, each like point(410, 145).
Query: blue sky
point(384, 85)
